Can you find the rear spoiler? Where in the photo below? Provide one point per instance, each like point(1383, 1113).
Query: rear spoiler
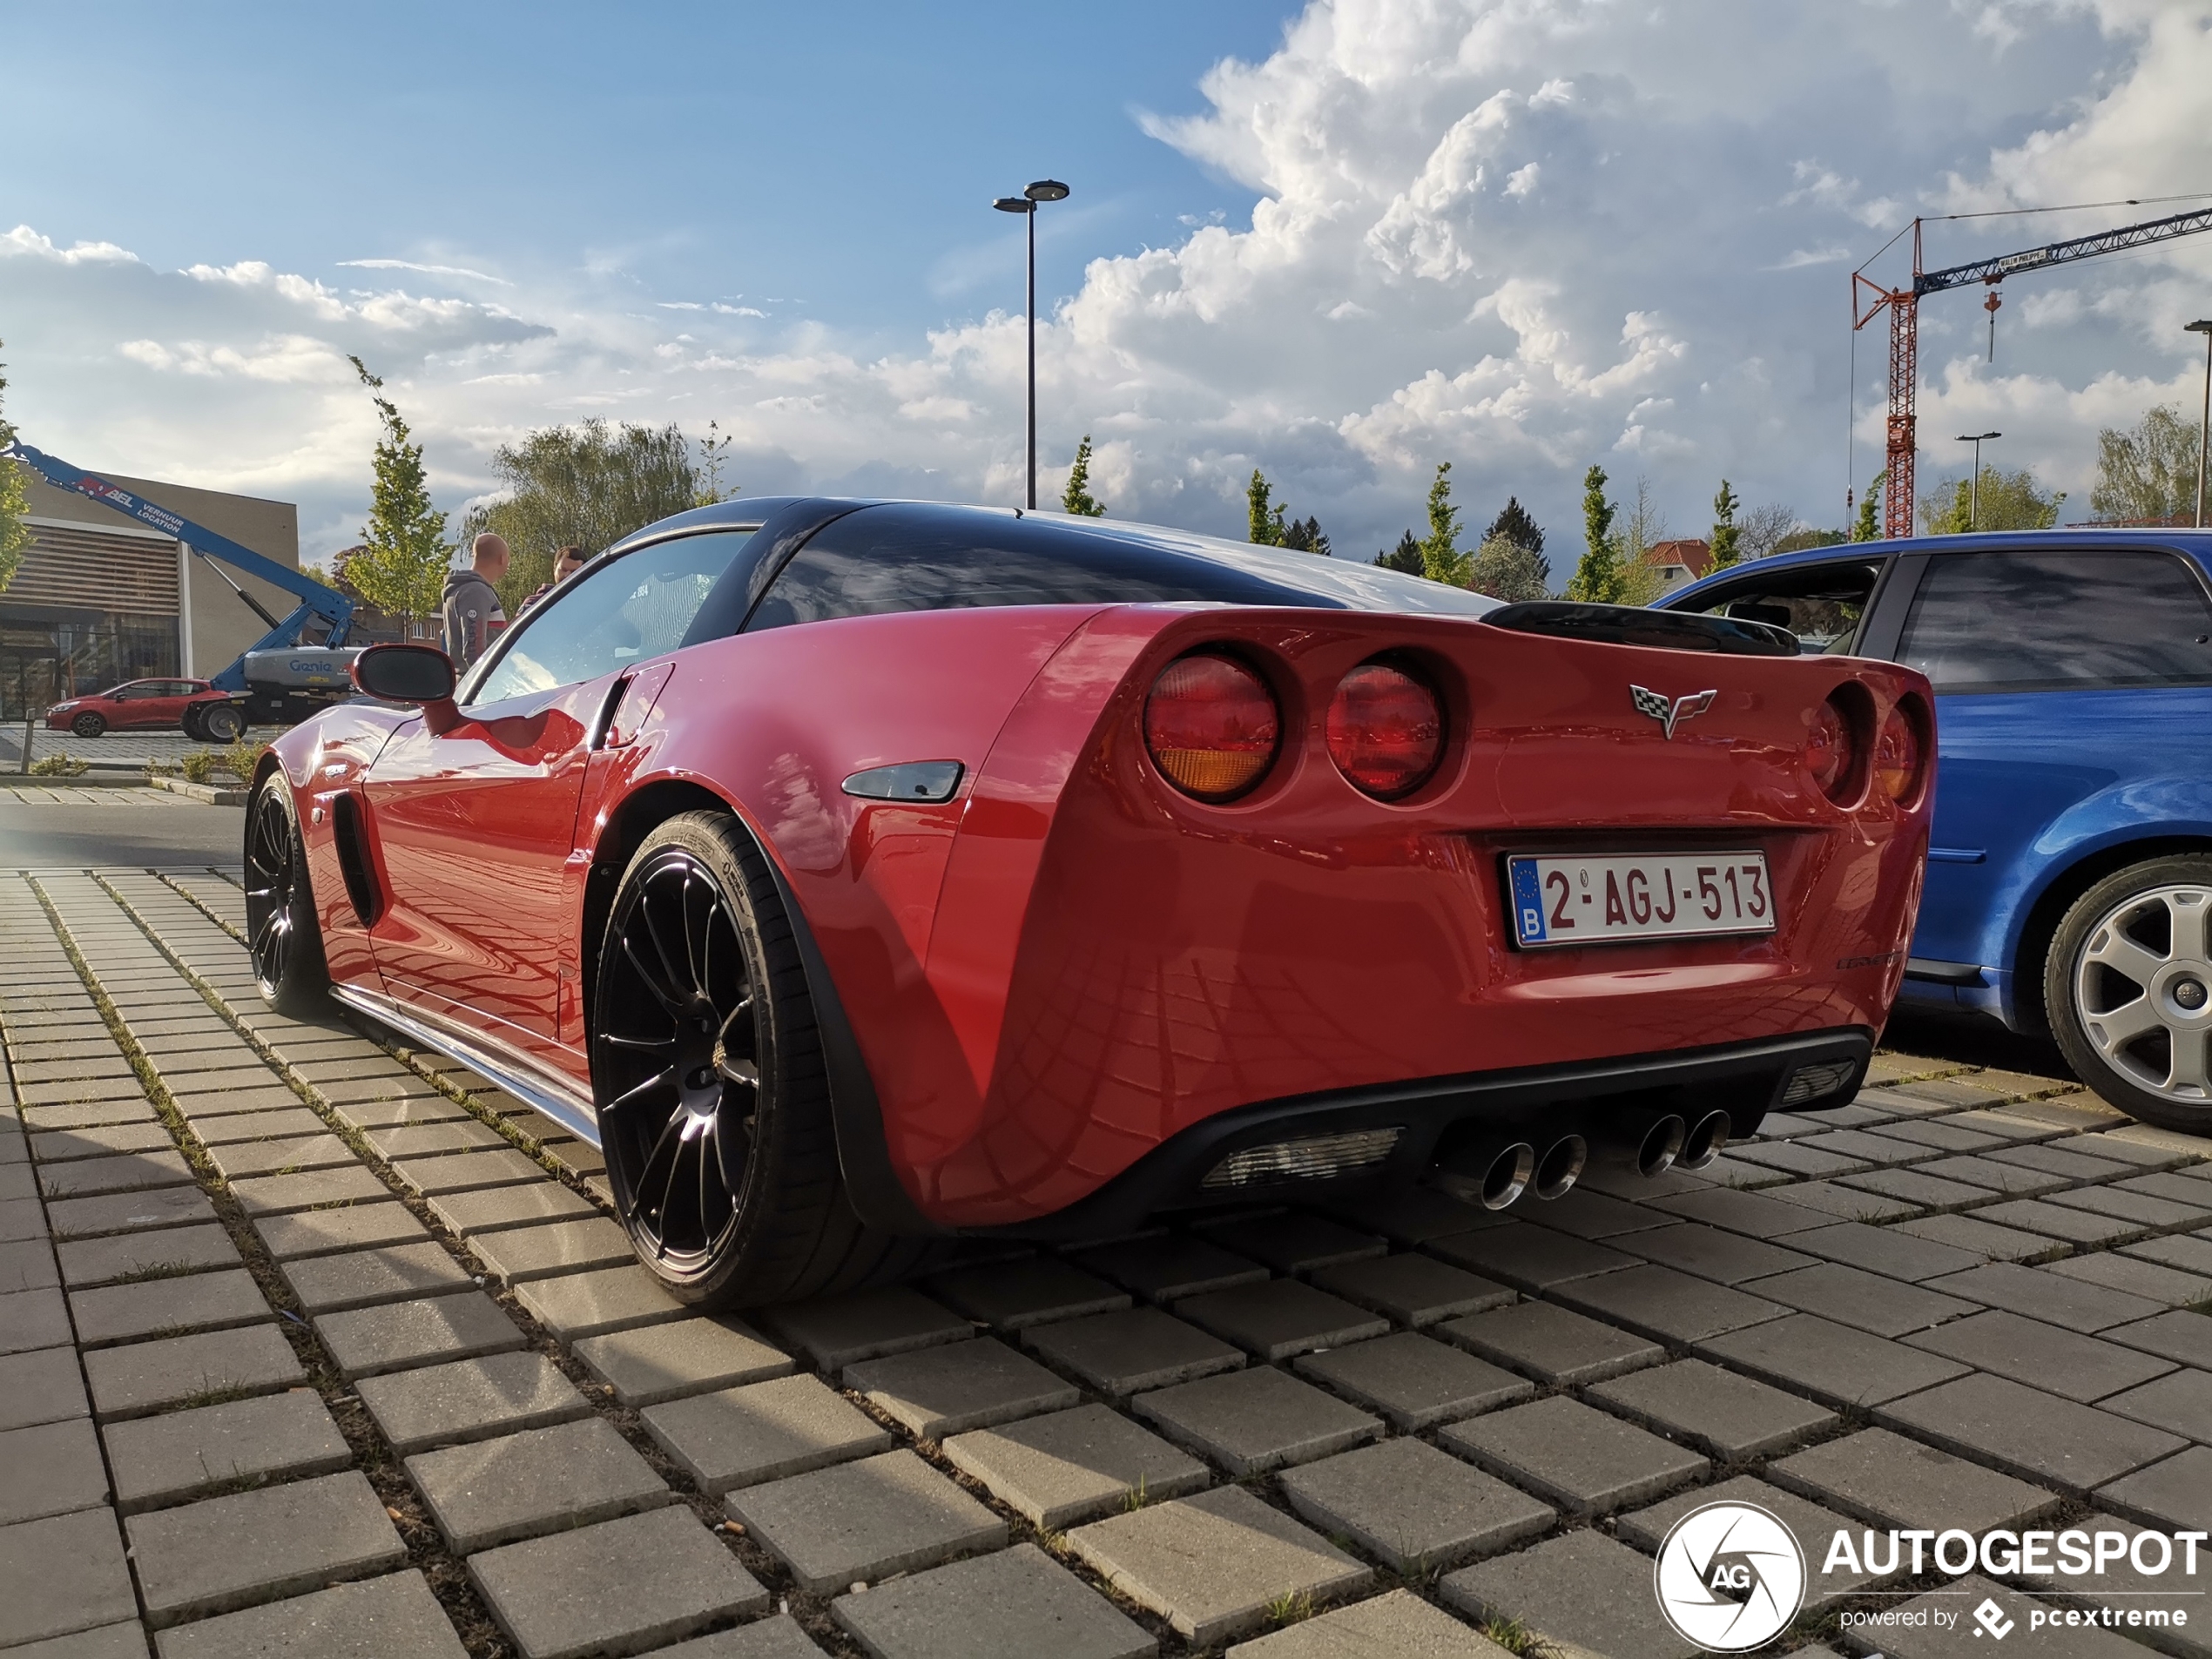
point(1632, 626)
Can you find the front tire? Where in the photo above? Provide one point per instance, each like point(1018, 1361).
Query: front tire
point(2128, 986)
point(88, 724)
point(712, 1094)
point(222, 722)
point(283, 934)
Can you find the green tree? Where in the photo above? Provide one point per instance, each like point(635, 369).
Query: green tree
point(15, 499)
point(1406, 557)
point(1867, 527)
point(401, 564)
point(1306, 536)
point(1441, 560)
point(1505, 569)
point(1805, 536)
point(588, 485)
point(2147, 471)
point(1513, 523)
point(1597, 575)
point(1077, 498)
point(1266, 523)
point(714, 449)
point(2010, 501)
point(1725, 551)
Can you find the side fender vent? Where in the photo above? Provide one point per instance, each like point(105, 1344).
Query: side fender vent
point(361, 890)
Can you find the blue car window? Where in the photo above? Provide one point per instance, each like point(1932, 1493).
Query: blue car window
point(2037, 622)
point(630, 607)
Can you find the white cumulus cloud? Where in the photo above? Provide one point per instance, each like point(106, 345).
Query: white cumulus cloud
point(1522, 236)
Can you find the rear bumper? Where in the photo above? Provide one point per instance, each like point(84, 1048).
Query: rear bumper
point(1746, 1079)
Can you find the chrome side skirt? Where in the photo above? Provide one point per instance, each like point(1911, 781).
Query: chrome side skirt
point(556, 1098)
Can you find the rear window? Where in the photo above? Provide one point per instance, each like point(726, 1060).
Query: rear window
point(1822, 604)
point(923, 558)
point(2034, 622)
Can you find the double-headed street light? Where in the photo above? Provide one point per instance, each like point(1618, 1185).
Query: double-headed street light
point(1973, 493)
point(1045, 190)
point(2204, 424)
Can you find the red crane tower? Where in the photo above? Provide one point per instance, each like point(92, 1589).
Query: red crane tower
point(1905, 321)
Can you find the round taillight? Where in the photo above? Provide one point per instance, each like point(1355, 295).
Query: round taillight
point(1832, 751)
point(1897, 756)
point(1211, 725)
point(1386, 729)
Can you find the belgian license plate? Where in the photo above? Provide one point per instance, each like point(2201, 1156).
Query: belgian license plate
point(1603, 900)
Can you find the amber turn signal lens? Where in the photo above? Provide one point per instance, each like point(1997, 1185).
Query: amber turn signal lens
point(1897, 754)
point(1386, 731)
point(1831, 752)
point(1212, 727)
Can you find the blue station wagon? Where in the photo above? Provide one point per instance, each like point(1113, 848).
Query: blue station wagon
point(2069, 878)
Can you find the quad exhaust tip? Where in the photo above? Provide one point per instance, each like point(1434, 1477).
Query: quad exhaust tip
point(1508, 1176)
point(1705, 1142)
point(1562, 1166)
point(1662, 1145)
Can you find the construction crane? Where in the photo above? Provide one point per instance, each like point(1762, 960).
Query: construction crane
point(1905, 322)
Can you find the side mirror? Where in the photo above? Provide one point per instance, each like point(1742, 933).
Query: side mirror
point(419, 674)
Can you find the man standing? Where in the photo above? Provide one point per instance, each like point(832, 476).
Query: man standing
point(473, 618)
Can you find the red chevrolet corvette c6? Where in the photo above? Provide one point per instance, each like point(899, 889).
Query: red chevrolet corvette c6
point(861, 873)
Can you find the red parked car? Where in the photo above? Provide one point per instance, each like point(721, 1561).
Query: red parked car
point(191, 706)
point(857, 874)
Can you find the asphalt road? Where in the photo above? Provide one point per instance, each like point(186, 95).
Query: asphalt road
point(136, 829)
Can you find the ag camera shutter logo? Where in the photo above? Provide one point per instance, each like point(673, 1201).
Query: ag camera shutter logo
point(1730, 1577)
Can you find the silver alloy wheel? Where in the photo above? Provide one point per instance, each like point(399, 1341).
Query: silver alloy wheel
point(2142, 989)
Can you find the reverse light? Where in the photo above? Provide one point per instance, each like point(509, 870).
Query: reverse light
point(1212, 727)
point(1831, 752)
point(1899, 756)
point(1386, 731)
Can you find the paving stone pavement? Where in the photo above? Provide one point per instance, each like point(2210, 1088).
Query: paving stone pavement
point(334, 1337)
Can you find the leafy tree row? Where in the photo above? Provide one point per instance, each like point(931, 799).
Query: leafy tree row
point(588, 486)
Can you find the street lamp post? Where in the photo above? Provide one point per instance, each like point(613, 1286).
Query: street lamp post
point(1044, 190)
point(1973, 492)
point(2204, 422)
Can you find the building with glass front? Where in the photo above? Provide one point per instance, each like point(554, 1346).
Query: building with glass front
point(99, 599)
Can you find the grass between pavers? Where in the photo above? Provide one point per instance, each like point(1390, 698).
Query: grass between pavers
point(525, 1143)
point(425, 1544)
point(812, 1611)
point(447, 1577)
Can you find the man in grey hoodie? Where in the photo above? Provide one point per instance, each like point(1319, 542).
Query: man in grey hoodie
point(472, 613)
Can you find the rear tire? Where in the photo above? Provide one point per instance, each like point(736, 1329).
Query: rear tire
point(88, 724)
point(222, 722)
point(283, 934)
point(2128, 986)
point(708, 1073)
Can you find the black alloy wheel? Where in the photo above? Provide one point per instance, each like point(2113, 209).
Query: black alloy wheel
point(282, 934)
point(713, 1095)
point(88, 724)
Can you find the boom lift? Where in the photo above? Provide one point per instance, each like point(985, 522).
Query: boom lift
point(1904, 323)
point(280, 678)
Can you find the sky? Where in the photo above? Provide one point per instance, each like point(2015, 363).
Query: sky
point(1341, 242)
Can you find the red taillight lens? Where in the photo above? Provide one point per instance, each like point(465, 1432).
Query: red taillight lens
point(1212, 727)
point(1386, 729)
point(1832, 751)
point(1897, 755)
